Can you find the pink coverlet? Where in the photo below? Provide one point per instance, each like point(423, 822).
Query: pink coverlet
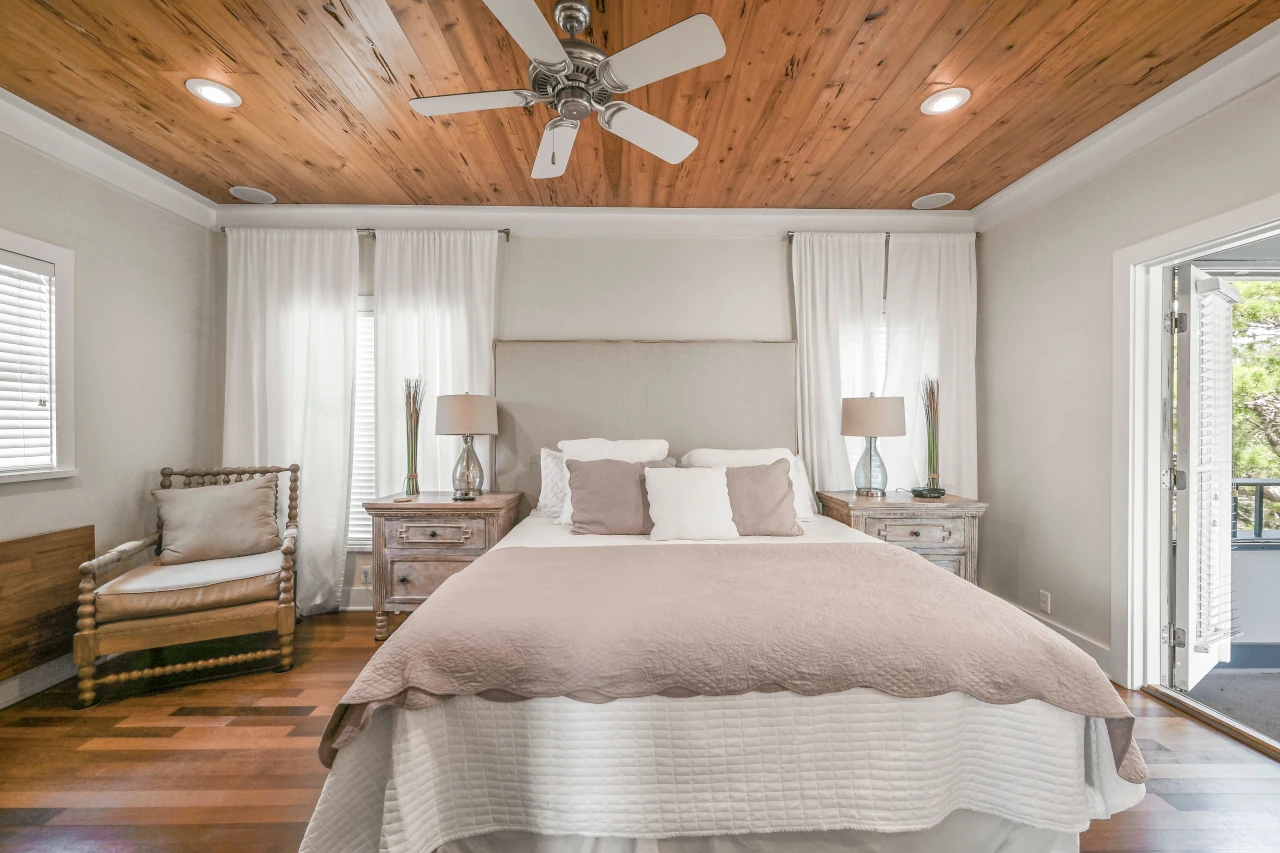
point(603, 623)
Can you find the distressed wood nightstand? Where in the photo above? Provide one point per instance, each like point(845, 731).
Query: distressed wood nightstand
point(420, 542)
point(944, 531)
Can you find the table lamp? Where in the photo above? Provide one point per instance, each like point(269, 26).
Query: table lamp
point(467, 415)
point(872, 417)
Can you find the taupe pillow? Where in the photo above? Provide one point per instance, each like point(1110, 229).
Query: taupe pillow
point(609, 498)
point(215, 522)
point(763, 500)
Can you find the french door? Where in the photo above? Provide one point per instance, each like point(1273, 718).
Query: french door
point(1198, 478)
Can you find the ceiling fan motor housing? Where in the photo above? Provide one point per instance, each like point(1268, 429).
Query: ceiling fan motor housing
point(574, 94)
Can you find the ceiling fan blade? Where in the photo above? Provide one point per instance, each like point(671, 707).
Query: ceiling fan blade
point(650, 133)
point(523, 20)
point(557, 145)
point(692, 42)
point(470, 102)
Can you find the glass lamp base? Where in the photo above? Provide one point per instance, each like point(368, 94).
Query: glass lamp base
point(869, 476)
point(468, 476)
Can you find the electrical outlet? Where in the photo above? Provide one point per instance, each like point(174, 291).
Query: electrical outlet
point(364, 575)
point(1044, 601)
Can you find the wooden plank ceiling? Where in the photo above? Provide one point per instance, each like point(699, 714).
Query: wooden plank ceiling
point(815, 104)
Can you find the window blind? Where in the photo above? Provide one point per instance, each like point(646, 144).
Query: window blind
point(26, 363)
point(359, 525)
point(1213, 463)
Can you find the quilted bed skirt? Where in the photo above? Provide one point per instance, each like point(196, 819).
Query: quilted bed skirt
point(661, 775)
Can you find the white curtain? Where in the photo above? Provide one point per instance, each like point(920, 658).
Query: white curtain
point(839, 291)
point(291, 306)
point(434, 304)
point(931, 313)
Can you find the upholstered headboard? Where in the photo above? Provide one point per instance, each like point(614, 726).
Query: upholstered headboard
point(731, 394)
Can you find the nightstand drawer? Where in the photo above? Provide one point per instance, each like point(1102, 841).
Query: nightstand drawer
point(953, 563)
point(415, 578)
point(919, 533)
point(459, 535)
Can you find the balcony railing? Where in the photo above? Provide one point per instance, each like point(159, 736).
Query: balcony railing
point(1255, 514)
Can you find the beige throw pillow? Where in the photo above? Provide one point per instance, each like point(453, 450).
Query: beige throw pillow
point(609, 496)
point(763, 500)
point(215, 522)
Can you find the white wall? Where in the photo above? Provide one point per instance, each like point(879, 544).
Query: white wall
point(1255, 595)
point(660, 288)
point(1045, 351)
point(149, 317)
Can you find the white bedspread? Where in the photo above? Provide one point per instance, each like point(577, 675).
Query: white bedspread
point(657, 767)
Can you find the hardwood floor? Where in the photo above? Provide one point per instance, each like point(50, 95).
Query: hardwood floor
point(230, 766)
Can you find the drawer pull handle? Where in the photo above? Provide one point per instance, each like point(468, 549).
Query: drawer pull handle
point(404, 579)
point(434, 534)
point(915, 533)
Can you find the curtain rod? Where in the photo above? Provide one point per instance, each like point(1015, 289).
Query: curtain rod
point(791, 234)
point(372, 232)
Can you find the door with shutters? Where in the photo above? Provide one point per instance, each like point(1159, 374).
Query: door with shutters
point(1200, 594)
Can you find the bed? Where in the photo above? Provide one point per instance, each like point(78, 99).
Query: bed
point(852, 770)
point(795, 760)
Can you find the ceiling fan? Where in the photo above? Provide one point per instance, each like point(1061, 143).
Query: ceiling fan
point(576, 78)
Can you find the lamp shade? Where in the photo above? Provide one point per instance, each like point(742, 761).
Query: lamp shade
point(466, 414)
point(874, 416)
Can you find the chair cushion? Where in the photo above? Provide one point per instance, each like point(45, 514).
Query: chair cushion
point(218, 522)
point(153, 589)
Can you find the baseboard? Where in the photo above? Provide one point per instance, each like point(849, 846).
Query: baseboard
point(33, 681)
point(1095, 649)
point(356, 598)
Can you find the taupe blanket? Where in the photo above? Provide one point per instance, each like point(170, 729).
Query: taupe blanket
point(604, 623)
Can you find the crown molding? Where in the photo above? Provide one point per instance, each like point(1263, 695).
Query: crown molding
point(1233, 73)
point(67, 144)
point(594, 221)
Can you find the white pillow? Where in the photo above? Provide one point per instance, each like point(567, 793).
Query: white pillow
point(592, 449)
point(704, 457)
point(625, 450)
point(800, 476)
point(555, 485)
point(689, 503)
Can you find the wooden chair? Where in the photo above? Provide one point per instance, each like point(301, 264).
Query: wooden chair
point(94, 639)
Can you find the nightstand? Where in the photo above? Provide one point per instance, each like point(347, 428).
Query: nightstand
point(944, 531)
point(419, 542)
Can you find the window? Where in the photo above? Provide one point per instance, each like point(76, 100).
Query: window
point(359, 525)
point(36, 397)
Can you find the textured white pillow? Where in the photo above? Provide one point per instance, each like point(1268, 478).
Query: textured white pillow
point(555, 485)
point(592, 449)
point(704, 457)
point(804, 489)
point(624, 450)
point(689, 503)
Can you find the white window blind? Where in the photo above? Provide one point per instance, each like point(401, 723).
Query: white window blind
point(1212, 461)
point(359, 525)
point(26, 363)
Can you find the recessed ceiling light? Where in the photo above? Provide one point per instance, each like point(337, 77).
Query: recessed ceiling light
point(214, 93)
point(944, 101)
point(254, 195)
point(933, 201)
